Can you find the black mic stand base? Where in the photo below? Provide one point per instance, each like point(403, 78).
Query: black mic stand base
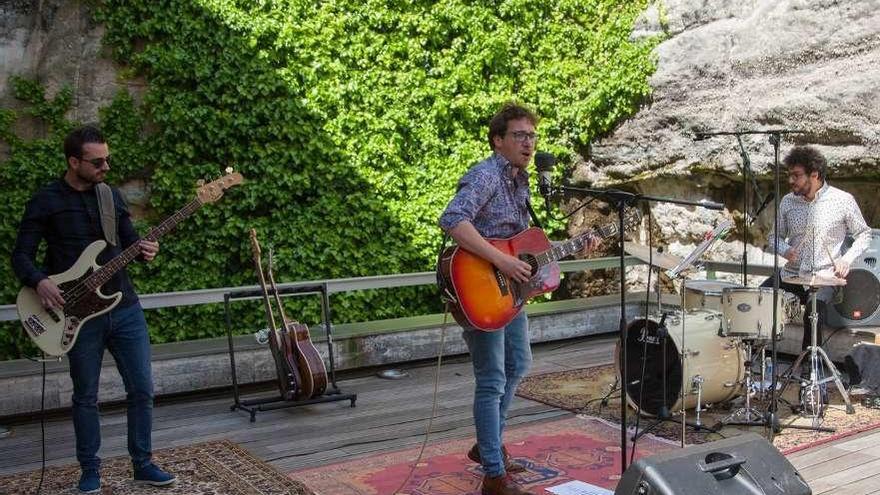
point(663, 416)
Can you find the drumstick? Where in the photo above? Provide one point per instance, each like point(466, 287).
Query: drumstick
point(833, 263)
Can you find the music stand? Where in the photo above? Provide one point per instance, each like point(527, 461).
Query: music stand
point(680, 272)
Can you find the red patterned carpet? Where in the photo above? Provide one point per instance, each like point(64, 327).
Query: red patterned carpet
point(575, 448)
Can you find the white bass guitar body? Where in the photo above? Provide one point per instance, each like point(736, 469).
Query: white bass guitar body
point(55, 330)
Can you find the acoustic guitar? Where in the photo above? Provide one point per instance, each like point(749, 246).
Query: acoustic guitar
point(55, 331)
point(483, 297)
point(313, 374)
point(282, 352)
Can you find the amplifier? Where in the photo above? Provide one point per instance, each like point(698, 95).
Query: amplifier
point(858, 302)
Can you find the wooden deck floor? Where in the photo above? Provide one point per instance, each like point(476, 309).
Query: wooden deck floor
point(390, 414)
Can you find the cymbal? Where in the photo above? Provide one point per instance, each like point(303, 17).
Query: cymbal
point(644, 253)
point(815, 280)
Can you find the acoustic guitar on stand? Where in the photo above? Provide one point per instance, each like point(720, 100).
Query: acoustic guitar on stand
point(55, 330)
point(311, 366)
point(282, 352)
point(483, 297)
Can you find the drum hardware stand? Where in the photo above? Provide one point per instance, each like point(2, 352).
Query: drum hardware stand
point(252, 406)
point(813, 386)
point(746, 415)
point(621, 200)
point(774, 136)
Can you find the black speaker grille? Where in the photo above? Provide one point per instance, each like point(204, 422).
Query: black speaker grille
point(861, 296)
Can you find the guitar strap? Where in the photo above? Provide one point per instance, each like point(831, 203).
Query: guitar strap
point(107, 212)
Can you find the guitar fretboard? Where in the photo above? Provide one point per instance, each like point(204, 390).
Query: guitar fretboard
point(573, 245)
point(106, 272)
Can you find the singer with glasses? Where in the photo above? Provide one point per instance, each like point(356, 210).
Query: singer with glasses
point(814, 220)
point(493, 201)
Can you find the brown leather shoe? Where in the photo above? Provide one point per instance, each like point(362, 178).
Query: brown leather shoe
point(509, 465)
point(502, 485)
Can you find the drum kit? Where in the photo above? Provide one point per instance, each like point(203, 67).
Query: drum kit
point(727, 326)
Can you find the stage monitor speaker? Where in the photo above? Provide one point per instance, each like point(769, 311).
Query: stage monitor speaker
point(741, 465)
point(858, 302)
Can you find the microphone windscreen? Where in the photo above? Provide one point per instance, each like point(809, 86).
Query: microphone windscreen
point(544, 161)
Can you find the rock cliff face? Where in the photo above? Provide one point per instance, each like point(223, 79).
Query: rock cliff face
point(57, 43)
point(810, 65)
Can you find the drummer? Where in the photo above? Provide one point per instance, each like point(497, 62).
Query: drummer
point(814, 219)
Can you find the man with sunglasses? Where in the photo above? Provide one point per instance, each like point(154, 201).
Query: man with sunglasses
point(493, 201)
point(66, 215)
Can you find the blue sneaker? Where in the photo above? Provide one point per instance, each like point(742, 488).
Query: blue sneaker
point(152, 475)
point(89, 481)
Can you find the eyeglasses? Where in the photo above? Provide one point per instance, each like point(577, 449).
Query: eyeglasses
point(97, 162)
point(523, 136)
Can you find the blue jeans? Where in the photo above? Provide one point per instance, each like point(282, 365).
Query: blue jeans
point(123, 331)
point(501, 358)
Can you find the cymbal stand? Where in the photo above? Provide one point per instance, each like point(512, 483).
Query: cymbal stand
point(812, 387)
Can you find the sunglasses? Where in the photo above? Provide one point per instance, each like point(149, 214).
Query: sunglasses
point(97, 162)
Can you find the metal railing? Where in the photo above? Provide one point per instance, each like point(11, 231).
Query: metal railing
point(336, 285)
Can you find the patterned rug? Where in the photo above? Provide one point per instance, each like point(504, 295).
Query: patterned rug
point(554, 452)
point(210, 468)
point(581, 391)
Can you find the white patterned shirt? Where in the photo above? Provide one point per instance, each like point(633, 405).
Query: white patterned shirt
point(818, 228)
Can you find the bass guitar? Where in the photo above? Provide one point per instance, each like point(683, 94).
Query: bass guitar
point(483, 297)
point(55, 331)
point(285, 362)
point(312, 372)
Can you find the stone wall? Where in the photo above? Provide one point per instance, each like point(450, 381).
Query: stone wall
point(810, 65)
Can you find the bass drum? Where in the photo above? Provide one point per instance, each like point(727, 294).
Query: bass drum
point(719, 361)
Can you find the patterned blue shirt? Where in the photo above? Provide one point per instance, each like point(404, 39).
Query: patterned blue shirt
point(495, 202)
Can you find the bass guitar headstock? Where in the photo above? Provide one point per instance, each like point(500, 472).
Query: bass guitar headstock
point(212, 191)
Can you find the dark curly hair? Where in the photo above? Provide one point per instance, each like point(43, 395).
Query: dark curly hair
point(510, 111)
point(809, 158)
point(73, 143)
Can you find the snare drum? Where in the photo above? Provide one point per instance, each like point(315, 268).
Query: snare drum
point(719, 361)
point(748, 313)
point(705, 294)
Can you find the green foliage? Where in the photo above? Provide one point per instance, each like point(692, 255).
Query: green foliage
point(351, 121)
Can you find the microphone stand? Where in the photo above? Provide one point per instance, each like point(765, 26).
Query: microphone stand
point(771, 421)
point(620, 200)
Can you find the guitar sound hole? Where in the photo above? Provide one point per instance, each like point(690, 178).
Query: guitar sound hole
point(532, 261)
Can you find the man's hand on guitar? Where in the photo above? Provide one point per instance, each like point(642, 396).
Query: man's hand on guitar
point(149, 249)
point(50, 294)
point(514, 267)
point(592, 244)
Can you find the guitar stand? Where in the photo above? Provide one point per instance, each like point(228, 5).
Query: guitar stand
point(252, 406)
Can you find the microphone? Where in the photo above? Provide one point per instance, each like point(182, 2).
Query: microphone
point(545, 162)
point(711, 205)
point(766, 202)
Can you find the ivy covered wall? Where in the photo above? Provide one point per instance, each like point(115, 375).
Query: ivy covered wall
point(351, 121)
